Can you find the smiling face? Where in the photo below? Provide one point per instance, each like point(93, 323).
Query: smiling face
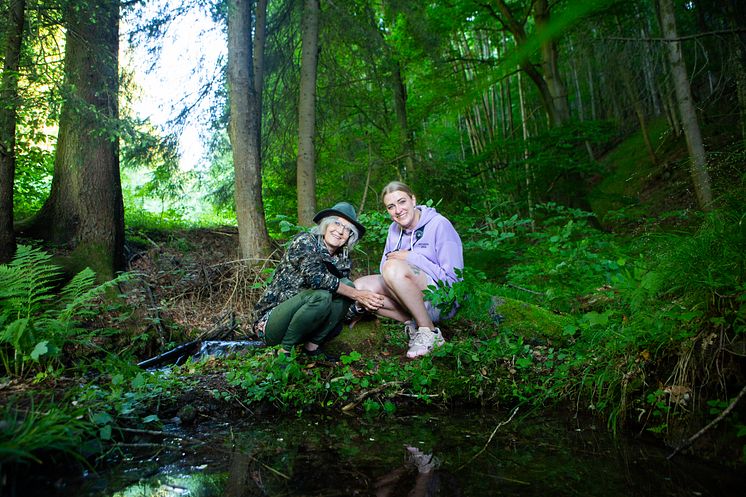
point(337, 233)
point(402, 209)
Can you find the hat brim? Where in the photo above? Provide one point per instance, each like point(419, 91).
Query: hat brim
point(333, 212)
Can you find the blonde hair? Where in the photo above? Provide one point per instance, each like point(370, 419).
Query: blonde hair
point(396, 186)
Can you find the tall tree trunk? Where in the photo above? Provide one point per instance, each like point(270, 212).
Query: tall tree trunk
point(244, 133)
point(8, 114)
point(526, 163)
point(550, 66)
point(555, 116)
point(260, 38)
point(306, 165)
point(400, 105)
point(84, 210)
point(692, 132)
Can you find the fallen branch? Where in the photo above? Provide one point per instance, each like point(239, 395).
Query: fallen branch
point(511, 285)
point(499, 425)
point(368, 393)
point(712, 423)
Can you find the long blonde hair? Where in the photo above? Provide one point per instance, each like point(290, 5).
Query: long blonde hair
point(396, 186)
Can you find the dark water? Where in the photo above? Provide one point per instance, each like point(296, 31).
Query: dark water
point(428, 455)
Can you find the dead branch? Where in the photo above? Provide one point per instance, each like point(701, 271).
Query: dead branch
point(368, 393)
point(712, 423)
point(499, 425)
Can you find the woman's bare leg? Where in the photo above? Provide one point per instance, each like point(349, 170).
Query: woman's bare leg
point(391, 307)
point(405, 284)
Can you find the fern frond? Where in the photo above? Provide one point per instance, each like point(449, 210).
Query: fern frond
point(82, 292)
point(26, 283)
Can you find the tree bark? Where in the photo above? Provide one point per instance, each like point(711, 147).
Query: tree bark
point(690, 123)
point(400, 105)
point(260, 39)
point(243, 130)
point(306, 164)
point(8, 114)
point(556, 116)
point(550, 64)
point(84, 210)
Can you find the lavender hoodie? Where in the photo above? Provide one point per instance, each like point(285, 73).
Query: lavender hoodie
point(434, 245)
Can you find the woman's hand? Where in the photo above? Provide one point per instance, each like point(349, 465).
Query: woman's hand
point(370, 300)
point(398, 255)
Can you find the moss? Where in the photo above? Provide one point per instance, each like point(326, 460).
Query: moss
point(528, 320)
point(365, 337)
point(92, 255)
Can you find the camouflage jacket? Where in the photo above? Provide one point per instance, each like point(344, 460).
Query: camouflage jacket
point(306, 264)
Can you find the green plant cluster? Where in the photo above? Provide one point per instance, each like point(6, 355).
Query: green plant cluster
point(38, 317)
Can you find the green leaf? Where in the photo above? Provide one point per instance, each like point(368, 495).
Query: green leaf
point(138, 381)
point(101, 418)
point(40, 349)
point(105, 432)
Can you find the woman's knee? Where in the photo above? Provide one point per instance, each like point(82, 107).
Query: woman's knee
point(371, 283)
point(395, 270)
point(319, 298)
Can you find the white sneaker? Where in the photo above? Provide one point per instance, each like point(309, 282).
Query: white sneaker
point(423, 341)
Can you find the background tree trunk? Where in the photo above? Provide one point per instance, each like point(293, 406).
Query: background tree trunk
point(550, 64)
point(306, 165)
point(400, 105)
point(690, 123)
point(8, 113)
point(84, 210)
point(244, 134)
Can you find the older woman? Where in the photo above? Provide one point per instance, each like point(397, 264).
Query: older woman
point(422, 249)
point(310, 291)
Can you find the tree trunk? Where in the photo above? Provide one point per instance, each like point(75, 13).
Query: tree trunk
point(8, 113)
point(260, 38)
point(244, 133)
point(84, 210)
point(306, 165)
point(550, 66)
point(526, 163)
point(400, 105)
point(692, 132)
point(555, 117)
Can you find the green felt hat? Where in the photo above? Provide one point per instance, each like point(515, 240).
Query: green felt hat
point(341, 209)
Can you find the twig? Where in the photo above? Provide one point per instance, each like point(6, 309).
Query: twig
point(499, 425)
point(368, 393)
point(157, 433)
point(712, 423)
point(525, 289)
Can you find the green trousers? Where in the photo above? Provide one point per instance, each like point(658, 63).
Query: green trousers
point(307, 317)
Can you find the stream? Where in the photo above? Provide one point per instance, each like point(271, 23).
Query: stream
point(446, 454)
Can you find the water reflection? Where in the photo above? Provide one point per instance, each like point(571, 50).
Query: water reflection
point(426, 481)
point(411, 456)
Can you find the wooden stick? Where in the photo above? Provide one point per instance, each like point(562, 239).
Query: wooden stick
point(712, 423)
point(500, 424)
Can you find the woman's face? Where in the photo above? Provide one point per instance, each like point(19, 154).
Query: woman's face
point(401, 208)
point(337, 233)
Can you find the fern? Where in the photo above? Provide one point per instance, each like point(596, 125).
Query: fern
point(35, 321)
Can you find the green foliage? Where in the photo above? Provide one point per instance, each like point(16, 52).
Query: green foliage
point(37, 319)
point(565, 257)
point(27, 435)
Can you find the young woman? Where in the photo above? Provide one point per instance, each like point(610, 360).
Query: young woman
point(422, 249)
point(311, 291)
